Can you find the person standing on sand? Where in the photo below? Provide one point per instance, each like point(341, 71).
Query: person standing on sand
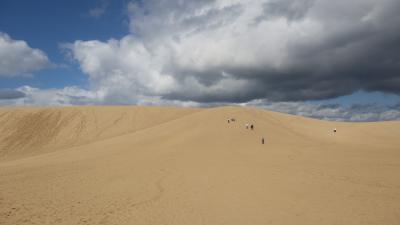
point(251, 127)
point(247, 126)
point(262, 140)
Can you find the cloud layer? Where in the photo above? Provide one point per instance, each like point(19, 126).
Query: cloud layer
point(18, 59)
point(10, 94)
point(334, 112)
point(29, 96)
point(236, 51)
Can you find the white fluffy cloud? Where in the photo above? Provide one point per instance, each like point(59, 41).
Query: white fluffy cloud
point(17, 58)
point(123, 69)
point(236, 51)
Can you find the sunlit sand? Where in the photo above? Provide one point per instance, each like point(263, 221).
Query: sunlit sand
point(155, 165)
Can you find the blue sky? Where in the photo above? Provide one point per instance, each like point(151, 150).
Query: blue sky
point(195, 53)
point(46, 24)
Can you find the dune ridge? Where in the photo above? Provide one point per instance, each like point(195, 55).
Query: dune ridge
point(155, 165)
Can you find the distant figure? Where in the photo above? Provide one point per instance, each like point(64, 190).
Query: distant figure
point(247, 126)
point(334, 130)
point(262, 140)
point(229, 121)
point(233, 119)
point(251, 126)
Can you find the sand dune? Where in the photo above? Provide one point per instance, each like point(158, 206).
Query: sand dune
point(32, 131)
point(154, 165)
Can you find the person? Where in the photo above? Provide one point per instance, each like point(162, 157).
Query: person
point(334, 130)
point(247, 126)
point(251, 126)
point(229, 120)
point(262, 140)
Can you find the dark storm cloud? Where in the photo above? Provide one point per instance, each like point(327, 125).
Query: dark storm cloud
point(235, 51)
point(360, 51)
point(6, 94)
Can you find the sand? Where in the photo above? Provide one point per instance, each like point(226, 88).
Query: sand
point(155, 165)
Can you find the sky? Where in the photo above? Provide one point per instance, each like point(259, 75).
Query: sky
point(335, 60)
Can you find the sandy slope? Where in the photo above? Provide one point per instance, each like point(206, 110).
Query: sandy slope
point(183, 166)
point(32, 131)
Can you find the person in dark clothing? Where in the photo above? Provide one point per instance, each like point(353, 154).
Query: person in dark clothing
point(262, 140)
point(252, 126)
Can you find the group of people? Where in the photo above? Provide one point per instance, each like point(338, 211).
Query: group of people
point(231, 120)
point(248, 126)
point(251, 126)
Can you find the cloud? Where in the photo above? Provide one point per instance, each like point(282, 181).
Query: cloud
point(67, 96)
point(98, 11)
point(236, 51)
point(10, 94)
point(30, 96)
point(335, 112)
point(18, 59)
point(291, 10)
point(73, 95)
